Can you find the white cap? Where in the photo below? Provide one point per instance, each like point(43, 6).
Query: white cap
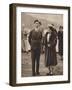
point(51, 25)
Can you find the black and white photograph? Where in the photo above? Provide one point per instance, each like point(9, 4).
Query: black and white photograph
point(41, 44)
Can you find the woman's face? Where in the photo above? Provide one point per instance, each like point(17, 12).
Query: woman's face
point(49, 30)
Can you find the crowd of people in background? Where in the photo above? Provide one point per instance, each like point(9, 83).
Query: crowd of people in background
point(39, 42)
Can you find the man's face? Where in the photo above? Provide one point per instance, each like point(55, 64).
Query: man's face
point(36, 24)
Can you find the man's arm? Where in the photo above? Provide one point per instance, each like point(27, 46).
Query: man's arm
point(30, 37)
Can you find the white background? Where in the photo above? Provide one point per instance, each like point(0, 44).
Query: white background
point(4, 45)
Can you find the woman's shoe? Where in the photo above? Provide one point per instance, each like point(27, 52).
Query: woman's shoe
point(50, 74)
point(37, 73)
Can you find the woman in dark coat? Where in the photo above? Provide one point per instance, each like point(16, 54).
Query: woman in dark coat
point(50, 49)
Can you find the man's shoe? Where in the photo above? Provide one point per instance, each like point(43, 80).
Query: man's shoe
point(37, 73)
point(48, 74)
point(33, 74)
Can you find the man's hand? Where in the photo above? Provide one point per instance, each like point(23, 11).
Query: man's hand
point(49, 45)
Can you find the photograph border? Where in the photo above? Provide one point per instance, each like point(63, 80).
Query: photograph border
point(12, 40)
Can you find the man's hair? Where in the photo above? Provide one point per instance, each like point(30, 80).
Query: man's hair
point(40, 23)
point(37, 21)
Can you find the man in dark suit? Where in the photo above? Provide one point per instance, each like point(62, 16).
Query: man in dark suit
point(35, 38)
point(60, 38)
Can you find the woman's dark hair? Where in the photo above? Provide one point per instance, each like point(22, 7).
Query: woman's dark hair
point(51, 28)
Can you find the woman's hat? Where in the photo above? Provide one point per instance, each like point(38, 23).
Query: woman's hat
point(50, 25)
